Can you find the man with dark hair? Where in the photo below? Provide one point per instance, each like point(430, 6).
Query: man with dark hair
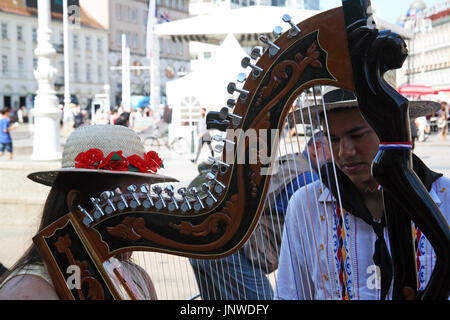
point(338, 248)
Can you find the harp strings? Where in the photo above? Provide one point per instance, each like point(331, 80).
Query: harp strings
point(175, 278)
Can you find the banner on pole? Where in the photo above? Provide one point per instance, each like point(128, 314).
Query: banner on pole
point(151, 21)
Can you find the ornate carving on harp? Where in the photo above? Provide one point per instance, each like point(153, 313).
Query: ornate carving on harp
point(313, 53)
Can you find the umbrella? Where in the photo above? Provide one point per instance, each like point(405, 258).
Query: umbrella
point(416, 90)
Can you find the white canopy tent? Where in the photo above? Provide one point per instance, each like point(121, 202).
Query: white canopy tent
point(246, 24)
point(206, 87)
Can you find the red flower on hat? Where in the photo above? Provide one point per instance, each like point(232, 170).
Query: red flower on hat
point(153, 161)
point(114, 161)
point(137, 162)
point(90, 159)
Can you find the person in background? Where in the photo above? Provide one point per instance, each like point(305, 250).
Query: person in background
point(246, 270)
point(123, 120)
point(203, 135)
point(443, 119)
point(6, 143)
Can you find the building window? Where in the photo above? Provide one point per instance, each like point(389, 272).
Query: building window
point(4, 31)
point(119, 39)
point(135, 41)
point(168, 46)
point(145, 17)
point(34, 35)
point(134, 15)
point(75, 42)
point(99, 45)
point(181, 48)
point(100, 74)
point(35, 63)
point(20, 63)
point(128, 14)
point(61, 38)
point(175, 47)
point(88, 43)
point(76, 71)
point(119, 12)
point(4, 63)
point(88, 72)
point(180, 4)
point(20, 33)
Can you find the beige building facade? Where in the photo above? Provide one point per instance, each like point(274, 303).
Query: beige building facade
point(18, 40)
point(130, 17)
point(428, 62)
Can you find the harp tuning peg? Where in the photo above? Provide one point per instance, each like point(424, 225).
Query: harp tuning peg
point(256, 71)
point(277, 31)
point(223, 167)
point(98, 210)
point(219, 187)
point(134, 203)
point(170, 192)
point(186, 205)
point(241, 77)
point(87, 220)
point(107, 195)
point(145, 189)
point(243, 94)
point(122, 204)
point(214, 120)
point(221, 139)
point(219, 148)
point(160, 203)
point(199, 204)
point(211, 199)
point(231, 103)
point(255, 53)
point(273, 48)
point(235, 119)
point(294, 31)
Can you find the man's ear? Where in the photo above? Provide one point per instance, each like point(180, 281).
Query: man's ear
point(71, 199)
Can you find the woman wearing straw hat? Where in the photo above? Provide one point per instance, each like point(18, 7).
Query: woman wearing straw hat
point(95, 158)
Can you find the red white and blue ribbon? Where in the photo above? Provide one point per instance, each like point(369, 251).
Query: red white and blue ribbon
point(395, 145)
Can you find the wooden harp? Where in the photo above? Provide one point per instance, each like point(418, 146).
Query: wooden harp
point(334, 48)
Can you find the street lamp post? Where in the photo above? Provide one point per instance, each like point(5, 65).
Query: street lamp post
point(46, 144)
point(66, 56)
point(423, 26)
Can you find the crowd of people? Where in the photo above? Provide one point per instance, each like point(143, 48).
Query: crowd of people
point(115, 116)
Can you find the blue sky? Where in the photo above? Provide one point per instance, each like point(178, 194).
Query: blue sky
point(388, 10)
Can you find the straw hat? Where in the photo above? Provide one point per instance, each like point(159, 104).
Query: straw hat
point(105, 149)
point(336, 98)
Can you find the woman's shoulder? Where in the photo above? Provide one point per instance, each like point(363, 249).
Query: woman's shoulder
point(27, 287)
